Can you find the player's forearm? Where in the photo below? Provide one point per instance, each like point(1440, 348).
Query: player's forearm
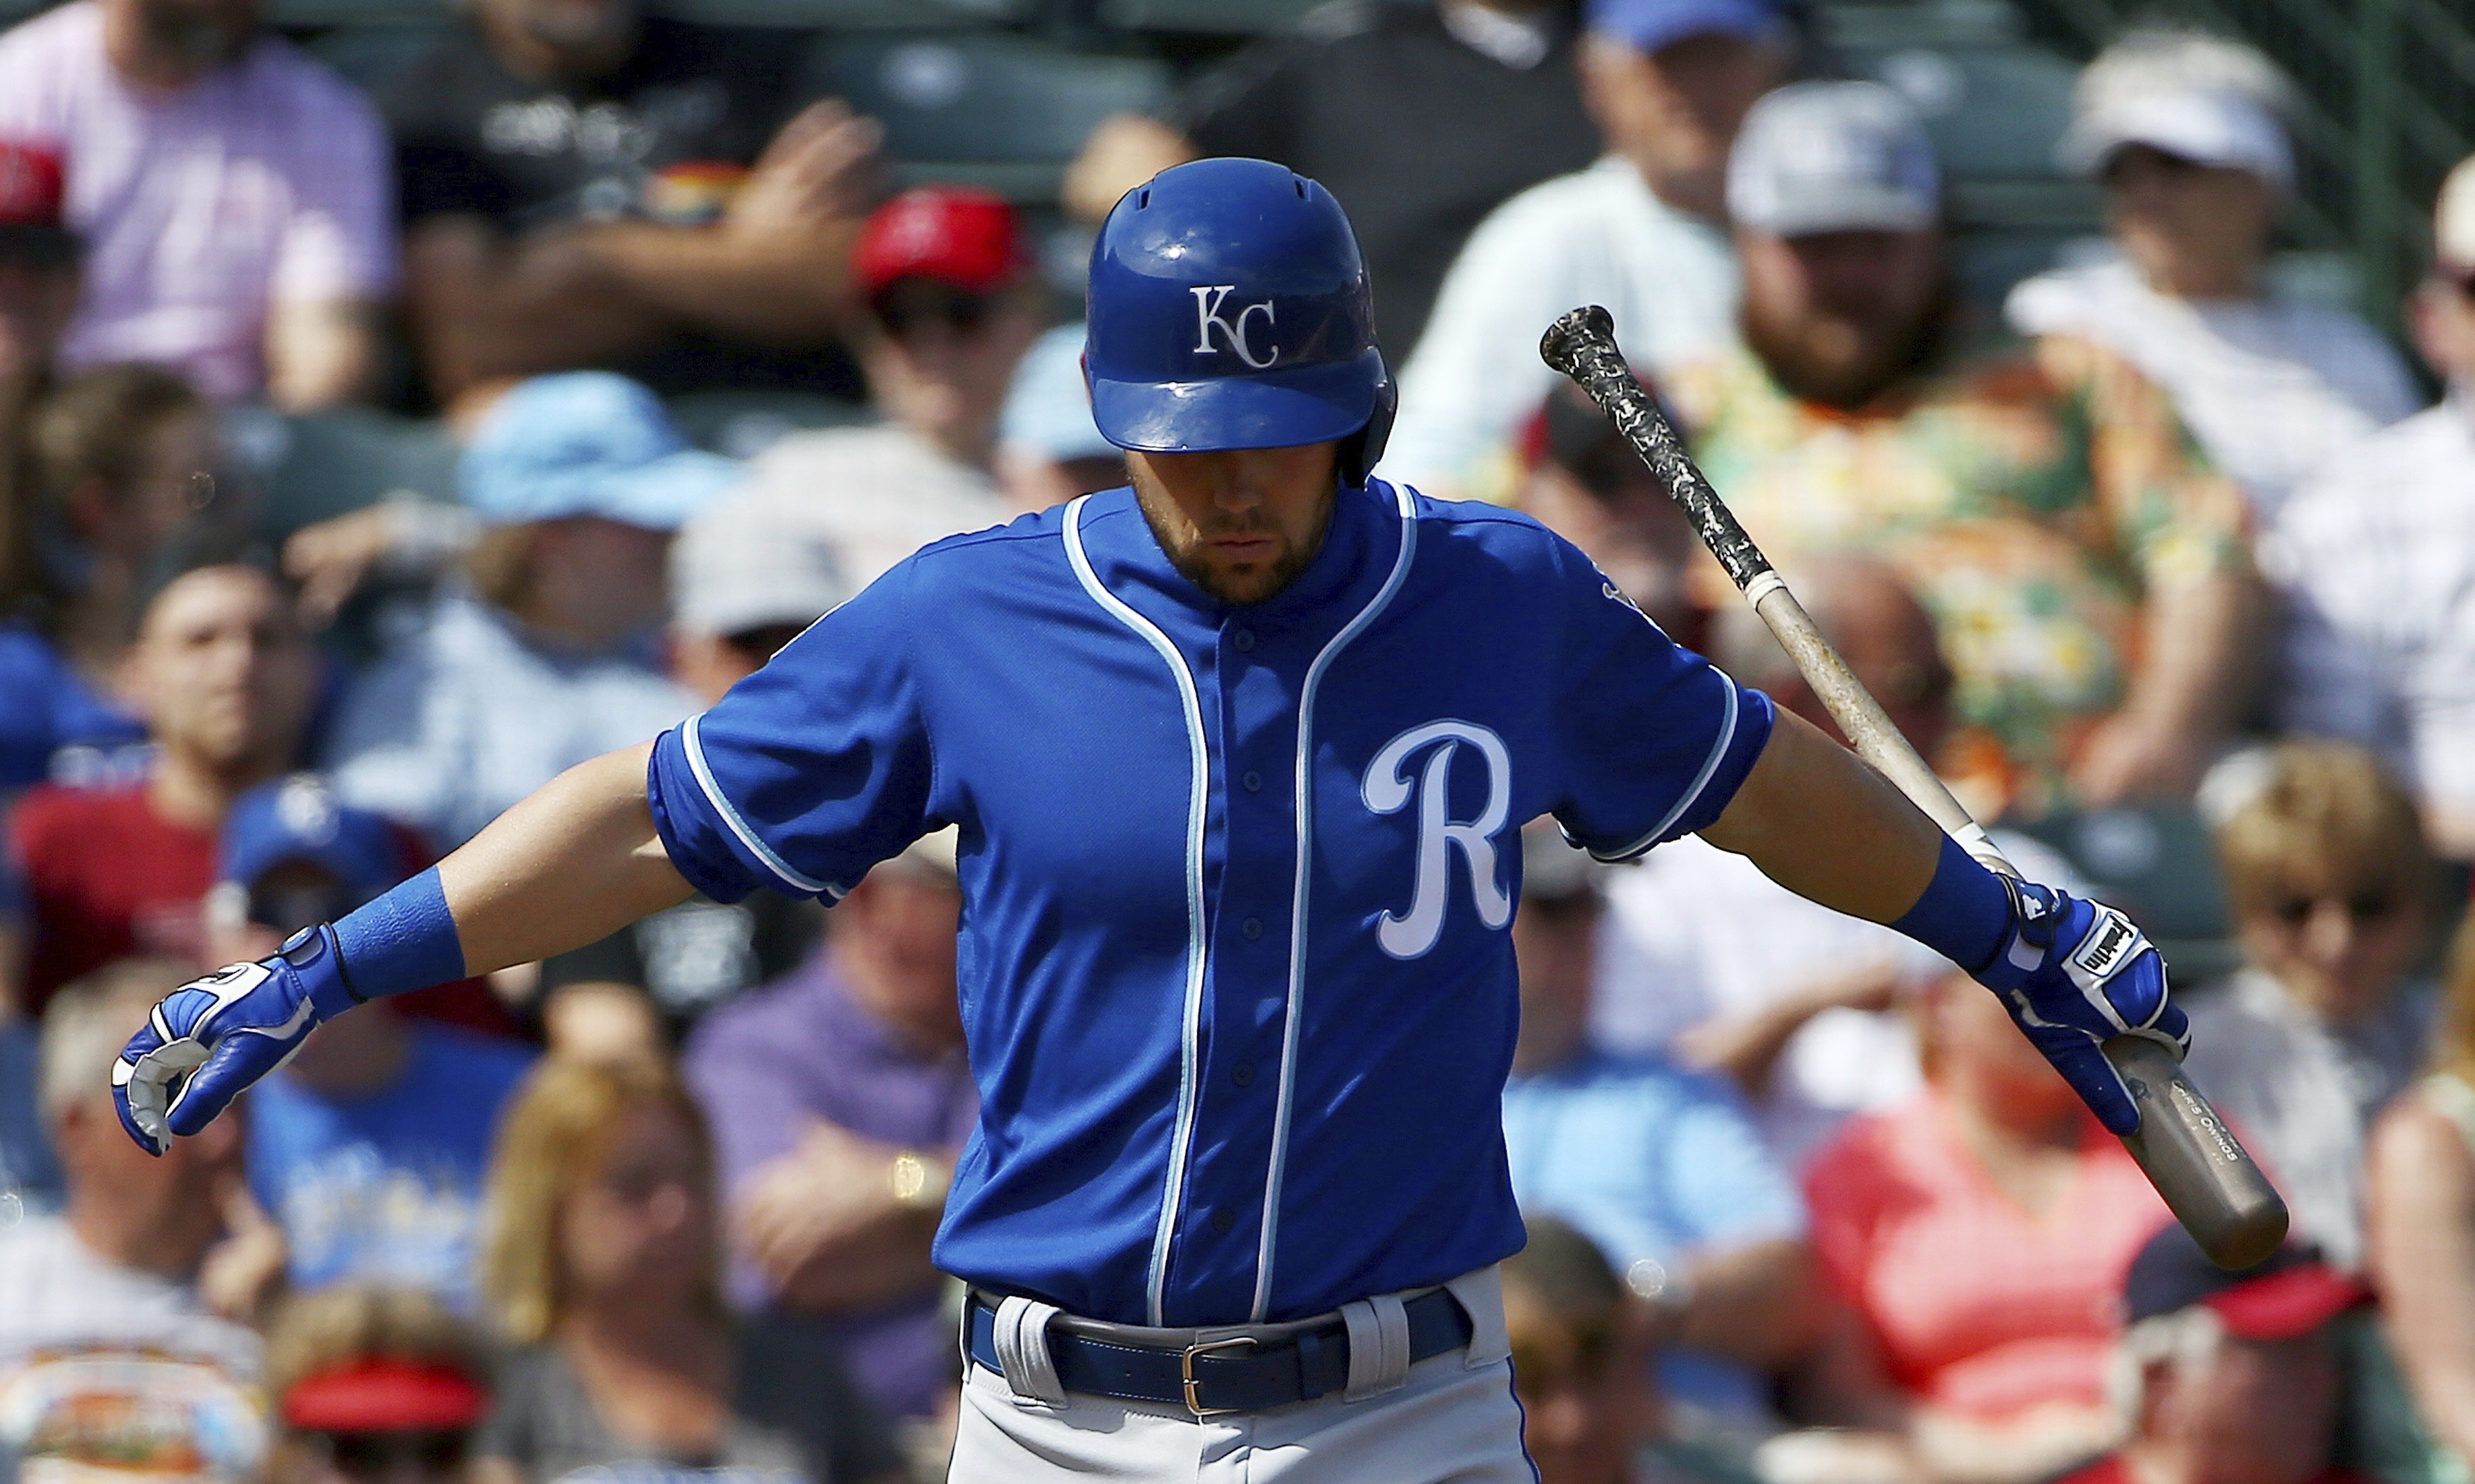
point(1823, 824)
point(573, 863)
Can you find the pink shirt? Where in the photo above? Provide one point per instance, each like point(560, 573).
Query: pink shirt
point(266, 181)
point(1978, 1306)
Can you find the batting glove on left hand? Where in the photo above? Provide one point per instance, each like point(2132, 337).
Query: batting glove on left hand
point(2075, 975)
point(206, 1041)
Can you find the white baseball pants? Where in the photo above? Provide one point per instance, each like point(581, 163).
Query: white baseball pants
point(1452, 1420)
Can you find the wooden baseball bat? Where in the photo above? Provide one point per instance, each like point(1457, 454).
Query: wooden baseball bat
point(2195, 1160)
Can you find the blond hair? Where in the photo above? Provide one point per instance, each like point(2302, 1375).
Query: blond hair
point(91, 1017)
point(332, 1329)
point(553, 1139)
point(2321, 820)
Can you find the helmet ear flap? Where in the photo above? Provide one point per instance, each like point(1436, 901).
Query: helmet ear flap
point(1360, 450)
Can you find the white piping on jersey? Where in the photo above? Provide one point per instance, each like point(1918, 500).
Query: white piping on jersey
point(1701, 781)
point(693, 747)
point(1173, 1194)
point(1405, 498)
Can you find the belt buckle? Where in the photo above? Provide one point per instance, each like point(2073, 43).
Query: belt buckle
point(1185, 1370)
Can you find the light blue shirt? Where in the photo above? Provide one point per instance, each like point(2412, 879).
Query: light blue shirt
point(1653, 1163)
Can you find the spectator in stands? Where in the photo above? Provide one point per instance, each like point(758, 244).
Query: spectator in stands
point(604, 1271)
point(839, 1099)
point(373, 1386)
point(545, 659)
point(2333, 895)
point(231, 195)
point(39, 293)
point(2087, 572)
point(1581, 1358)
point(225, 679)
point(1660, 1166)
point(112, 1357)
point(1585, 483)
point(743, 583)
point(1976, 1238)
point(2372, 559)
point(2419, 1221)
point(1048, 447)
point(2184, 130)
point(1667, 81)
point(370, 1146)
point(586, 185)
point(2228, 1378)
point(1420, 119)
point(951, 307)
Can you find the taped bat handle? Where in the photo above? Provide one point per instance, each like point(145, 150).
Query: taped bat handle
point(2199, 1168)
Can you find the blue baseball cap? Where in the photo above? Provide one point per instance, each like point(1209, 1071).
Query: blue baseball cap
point(1653, 25)
point(587, 443)
point(299, 819)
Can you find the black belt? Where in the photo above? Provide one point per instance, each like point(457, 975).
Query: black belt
point(1220, 1375)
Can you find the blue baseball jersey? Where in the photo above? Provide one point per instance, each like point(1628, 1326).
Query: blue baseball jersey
point(1235, 966)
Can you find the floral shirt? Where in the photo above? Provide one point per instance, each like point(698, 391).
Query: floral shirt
point(2033, 498)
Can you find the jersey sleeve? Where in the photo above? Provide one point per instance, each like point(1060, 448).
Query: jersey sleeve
point(809, 772)
point(1653, 738)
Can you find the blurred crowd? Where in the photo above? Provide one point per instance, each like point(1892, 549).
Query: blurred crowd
point(2169, 570)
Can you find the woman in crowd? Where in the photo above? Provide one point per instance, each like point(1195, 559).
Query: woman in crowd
point(2331, 885)
point(2183, 132)
point(604, 1269)
point(373, 1386)
point(1975, 1237)
point(2420, 1221)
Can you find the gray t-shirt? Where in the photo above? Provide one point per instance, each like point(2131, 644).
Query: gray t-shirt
point(796, 1420)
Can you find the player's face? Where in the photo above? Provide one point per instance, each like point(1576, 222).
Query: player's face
point(1238, 522)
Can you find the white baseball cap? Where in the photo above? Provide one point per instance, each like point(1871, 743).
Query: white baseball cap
point(2453, 220)
point(1818, 158)
point(2208, 126)
point(753, 560)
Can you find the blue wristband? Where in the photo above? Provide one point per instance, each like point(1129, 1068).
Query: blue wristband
point(403, 941)
point(1965, 914)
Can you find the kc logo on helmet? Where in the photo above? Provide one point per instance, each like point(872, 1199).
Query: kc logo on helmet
point(1208, 299)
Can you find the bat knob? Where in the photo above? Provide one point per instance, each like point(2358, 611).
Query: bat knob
point(1573, 334)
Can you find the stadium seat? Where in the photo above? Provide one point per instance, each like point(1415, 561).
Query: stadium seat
point(1222, 18)
point(2158, 864)
point(325, 464)
point(846, 15)
point(982, 108)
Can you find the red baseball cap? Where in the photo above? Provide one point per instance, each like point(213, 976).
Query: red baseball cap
point(33, 184)
point(966, 238)
point(2288, 1295)
point(385, 1394)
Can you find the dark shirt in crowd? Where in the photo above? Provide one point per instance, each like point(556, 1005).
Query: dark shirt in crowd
point(796, 1419)
point(1417, 132)
point(662, 139)
point(698, 955)
point(762, 1067)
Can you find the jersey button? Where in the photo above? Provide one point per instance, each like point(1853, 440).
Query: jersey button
point(1242, 1074)
point(1245, 639)
point(1224, 1221)
point(1254, 781)
point(1251, 928)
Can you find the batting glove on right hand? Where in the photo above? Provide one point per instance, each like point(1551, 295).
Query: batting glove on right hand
point(2075, 975)
point(206, 1041)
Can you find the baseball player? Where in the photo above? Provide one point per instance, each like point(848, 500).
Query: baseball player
point(1239, 756)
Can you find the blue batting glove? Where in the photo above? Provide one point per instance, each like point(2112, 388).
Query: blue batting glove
point(2075, 975)
point(213, 1037)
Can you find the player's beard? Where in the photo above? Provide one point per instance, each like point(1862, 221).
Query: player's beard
point(1184, 543)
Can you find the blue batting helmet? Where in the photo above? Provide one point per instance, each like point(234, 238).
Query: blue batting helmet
point(1229, 309)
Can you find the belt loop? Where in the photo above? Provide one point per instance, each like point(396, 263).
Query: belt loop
point(1481, 1296)
point(1379, 1346)
point(1022, 1349)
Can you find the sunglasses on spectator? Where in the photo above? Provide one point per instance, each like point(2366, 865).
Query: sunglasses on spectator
point(2363, 907)
point(912, 304)
point(370, 1455)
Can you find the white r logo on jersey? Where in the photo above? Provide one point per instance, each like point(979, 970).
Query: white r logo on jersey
point(1386, 789)
point(1208, 318)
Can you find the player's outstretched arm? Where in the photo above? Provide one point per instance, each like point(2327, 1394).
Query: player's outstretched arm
point(573, 863)
point(1821, 823)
